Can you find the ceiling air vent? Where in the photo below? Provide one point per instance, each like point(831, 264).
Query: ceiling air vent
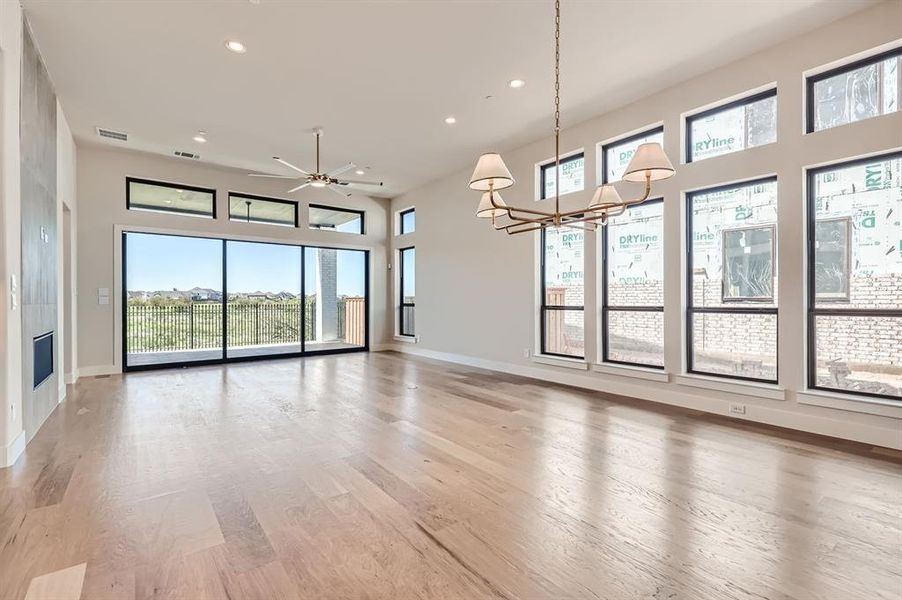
point(119, 136)
point(184, 154)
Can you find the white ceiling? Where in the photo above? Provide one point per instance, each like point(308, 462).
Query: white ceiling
point(378, 75)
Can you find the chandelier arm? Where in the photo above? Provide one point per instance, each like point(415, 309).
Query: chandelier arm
point(512, 231)
point(514, 209)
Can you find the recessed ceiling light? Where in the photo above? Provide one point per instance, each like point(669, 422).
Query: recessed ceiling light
point(450, 120)
point(199, 138)
point(360, 172)
point(516, 83)
point(236, 46)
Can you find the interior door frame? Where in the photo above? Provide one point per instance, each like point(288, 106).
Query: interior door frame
point(121, 306)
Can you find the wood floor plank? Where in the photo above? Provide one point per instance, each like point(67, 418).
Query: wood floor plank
point(384, 476)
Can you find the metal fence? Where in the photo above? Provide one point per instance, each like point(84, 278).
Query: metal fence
point(168, 327)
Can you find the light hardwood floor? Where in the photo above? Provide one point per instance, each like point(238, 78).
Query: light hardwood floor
point(382, 476)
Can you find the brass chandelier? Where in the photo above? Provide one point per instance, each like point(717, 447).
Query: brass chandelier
point(649, 163)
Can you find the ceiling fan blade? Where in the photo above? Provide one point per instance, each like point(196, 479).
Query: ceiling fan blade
point(290, 166)
point(300, 187)
point(357, 182)
point(341, 170)
point(272, 176)
point(340, 193)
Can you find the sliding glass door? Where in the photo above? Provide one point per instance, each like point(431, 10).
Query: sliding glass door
point(189, 300)
point(264, 310)
point(335, 283)
point(172, 299)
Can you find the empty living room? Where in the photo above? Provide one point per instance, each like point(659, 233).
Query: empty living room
point(450, 299)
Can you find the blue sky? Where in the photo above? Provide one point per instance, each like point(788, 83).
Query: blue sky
point(164, 262)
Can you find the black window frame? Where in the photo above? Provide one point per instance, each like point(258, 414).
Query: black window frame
point(811, 80)
point(401, 230)
point(263, 199)
point(354, 211)
point(691, 309)
point(544, 307)
point(545, 167)
point(811, 297)
point(172, 186)
point(621, 142)
point(401, 303)
point(746, 100)
point(606, 307)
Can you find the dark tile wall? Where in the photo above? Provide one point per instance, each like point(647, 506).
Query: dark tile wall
point(39, 234)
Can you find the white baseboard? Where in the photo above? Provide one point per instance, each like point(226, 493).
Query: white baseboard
point(72, 377)
point(10, 453)
point(95, 370)
point(778, 415)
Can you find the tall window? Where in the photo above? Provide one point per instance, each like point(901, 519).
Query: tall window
point(853, 92)
point(732, 288)
point(407, 221)
point(616, 156)
point(572, 170)
point(158, 196)
point(407, 287)
point(562, 326)
point(855, 277)
point(633, 287)
point(736, 126)
point(257, 209)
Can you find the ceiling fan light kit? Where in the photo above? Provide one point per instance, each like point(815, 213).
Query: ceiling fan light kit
point(648, 164)
point(318, 178)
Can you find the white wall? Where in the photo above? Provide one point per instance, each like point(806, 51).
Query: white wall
point(12, 436)
point(476, 289)
point(101, 204)
point(66, 190)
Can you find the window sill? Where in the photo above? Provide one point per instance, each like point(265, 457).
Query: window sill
point(560, 361)
point(851, 402)
point(632, 371)
point(745, 388)
point(408, 339)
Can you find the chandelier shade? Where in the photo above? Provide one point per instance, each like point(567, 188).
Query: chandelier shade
point(486, 210)
point(491, 174)
point(649, 163)
point(605, 198)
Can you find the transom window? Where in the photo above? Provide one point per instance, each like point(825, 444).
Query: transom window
point(731, 317)
point(854, 92)
point(736, 126)
point(407, 221)
point(616, 156)
point(855, 277)
point(633, 287)
point(573, 174)
point(343, 220)
point(562, 326)
point(159, 196)
point(257, 209)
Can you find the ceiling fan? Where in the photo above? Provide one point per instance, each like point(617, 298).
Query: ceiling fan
point(317, 178)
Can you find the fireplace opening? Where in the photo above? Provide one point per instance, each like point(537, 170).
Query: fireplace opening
point(43, 358)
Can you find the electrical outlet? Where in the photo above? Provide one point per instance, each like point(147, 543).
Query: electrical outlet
point(525, 352)
point(737, 409)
